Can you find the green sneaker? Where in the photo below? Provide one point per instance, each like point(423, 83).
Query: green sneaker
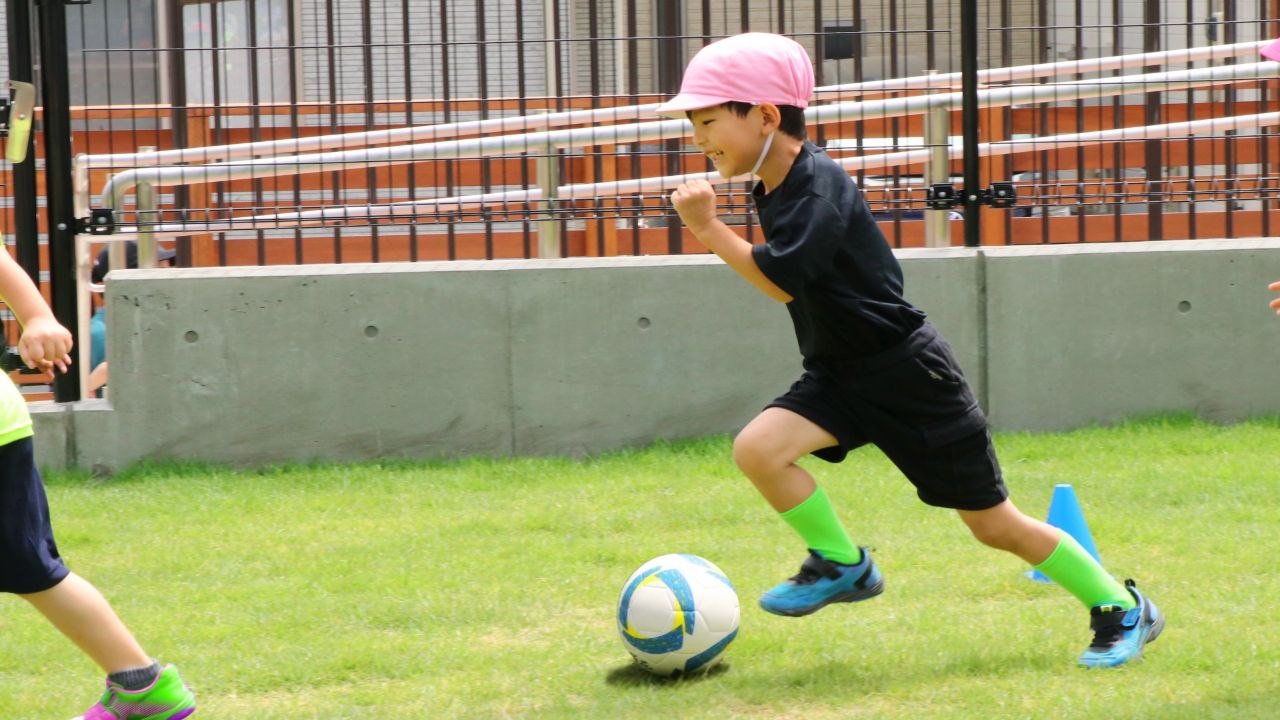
point(165, 699)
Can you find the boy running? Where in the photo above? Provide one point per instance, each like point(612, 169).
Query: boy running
point(875, 371)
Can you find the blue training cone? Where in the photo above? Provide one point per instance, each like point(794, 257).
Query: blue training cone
point(1066, 515)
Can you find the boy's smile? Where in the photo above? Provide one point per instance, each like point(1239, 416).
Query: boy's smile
point(732, 143)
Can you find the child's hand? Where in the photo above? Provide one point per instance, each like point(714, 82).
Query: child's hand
point(1275, 303)
point(696, 203)
point(45, 345)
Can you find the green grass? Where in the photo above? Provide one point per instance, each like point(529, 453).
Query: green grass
point(486, 588)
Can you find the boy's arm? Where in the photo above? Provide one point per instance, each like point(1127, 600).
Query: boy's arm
point(44, 343)
point(696, 203)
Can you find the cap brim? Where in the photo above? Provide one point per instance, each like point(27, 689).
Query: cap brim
point(681, 105)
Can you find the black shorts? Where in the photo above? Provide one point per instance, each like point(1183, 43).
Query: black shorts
point(29, 561)
point(913, 403)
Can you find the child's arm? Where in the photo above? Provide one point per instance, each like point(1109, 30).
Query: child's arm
point(696, 203)
point(44, 343)
point(1275, 302)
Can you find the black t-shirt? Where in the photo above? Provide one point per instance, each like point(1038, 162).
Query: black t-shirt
point(827, 252)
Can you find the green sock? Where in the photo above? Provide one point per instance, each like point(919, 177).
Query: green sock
point(815, 520)
point(1072, 567)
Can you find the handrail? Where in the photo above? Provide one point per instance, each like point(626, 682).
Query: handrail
point(236, 151)
point(114, 190)
point(656, 184)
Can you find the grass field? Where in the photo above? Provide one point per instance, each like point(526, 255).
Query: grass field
point(486, 588)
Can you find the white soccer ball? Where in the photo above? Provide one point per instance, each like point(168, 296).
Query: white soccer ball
point(677, 614)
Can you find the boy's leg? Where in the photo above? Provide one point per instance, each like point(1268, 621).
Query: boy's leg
point(837, 570)
point(766, 451)
point(1123, 620)
point(1048, 549)
point(81, 613)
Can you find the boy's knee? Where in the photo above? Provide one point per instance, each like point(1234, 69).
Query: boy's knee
point(752, 455)
point(998, 535)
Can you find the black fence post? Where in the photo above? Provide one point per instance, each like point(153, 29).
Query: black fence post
point(670, 70)
point(55, 81)
point(25, 217)
point(972, 199)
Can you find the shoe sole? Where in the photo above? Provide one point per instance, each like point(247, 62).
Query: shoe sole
point(851, 596)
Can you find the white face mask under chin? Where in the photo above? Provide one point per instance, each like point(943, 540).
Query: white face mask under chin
point(768, 143)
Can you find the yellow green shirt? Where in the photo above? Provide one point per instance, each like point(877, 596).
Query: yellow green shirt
point(15, 421)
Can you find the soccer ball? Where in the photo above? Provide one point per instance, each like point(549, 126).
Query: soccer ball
point(677, 614)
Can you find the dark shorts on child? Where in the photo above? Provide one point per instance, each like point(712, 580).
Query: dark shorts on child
point(29, 561)
point(913, 403)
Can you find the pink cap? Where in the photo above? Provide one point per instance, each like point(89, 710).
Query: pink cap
point(1272, 51)
point(752, 68)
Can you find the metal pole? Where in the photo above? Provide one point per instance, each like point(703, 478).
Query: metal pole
point(937, 135)
point(969, 113)
point(549, 226)
point(55, 80)
point(175, 60)
point(25, 223)
point(147, 217)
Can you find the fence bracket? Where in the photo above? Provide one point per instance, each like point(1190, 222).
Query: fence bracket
point(101, 221)
point(944, 196)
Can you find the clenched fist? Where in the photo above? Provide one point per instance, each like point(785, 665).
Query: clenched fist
point(696, 203)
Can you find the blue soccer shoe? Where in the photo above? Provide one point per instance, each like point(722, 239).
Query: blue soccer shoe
point(1118, 634)
point(821, 582)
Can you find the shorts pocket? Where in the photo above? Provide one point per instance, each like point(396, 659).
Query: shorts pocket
point(925, 392)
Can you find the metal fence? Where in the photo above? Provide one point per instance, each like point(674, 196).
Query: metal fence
point(171, 75)
point(195, 73)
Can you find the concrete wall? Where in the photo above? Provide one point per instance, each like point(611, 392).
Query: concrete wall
point(259, 365)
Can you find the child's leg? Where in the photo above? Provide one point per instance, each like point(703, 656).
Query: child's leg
point(81, 613)
point(766, 451)
point(1053, 552)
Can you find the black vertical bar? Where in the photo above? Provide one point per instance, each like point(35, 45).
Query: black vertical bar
point(178, 118)
point(25, 215)
point(1081, 187)
point(409, 47)
point(745, 9)
point(633, 90)
point(522, 105)
point(55, 81)
point(1229, 20)
point(446, 93)
point(670, 68)
point(1042, 176)
point(1151, 116)
point(255, 113)
point(969, 115)
point(331, 43)
point(486, 168)
point(1006, 113)
point(597, 157)
point(819, 59)
point(371, 174)
point(930, 50)
point(1117, 120)
point(294, 126)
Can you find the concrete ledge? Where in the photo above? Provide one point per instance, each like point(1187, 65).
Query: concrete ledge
point(261, 365)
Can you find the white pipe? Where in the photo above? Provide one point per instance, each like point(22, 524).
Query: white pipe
point(1209, 53)
point(114, 190)
point(658, 184)
point(409, 135)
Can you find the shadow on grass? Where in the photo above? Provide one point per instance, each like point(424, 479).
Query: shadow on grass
point(632, 675)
